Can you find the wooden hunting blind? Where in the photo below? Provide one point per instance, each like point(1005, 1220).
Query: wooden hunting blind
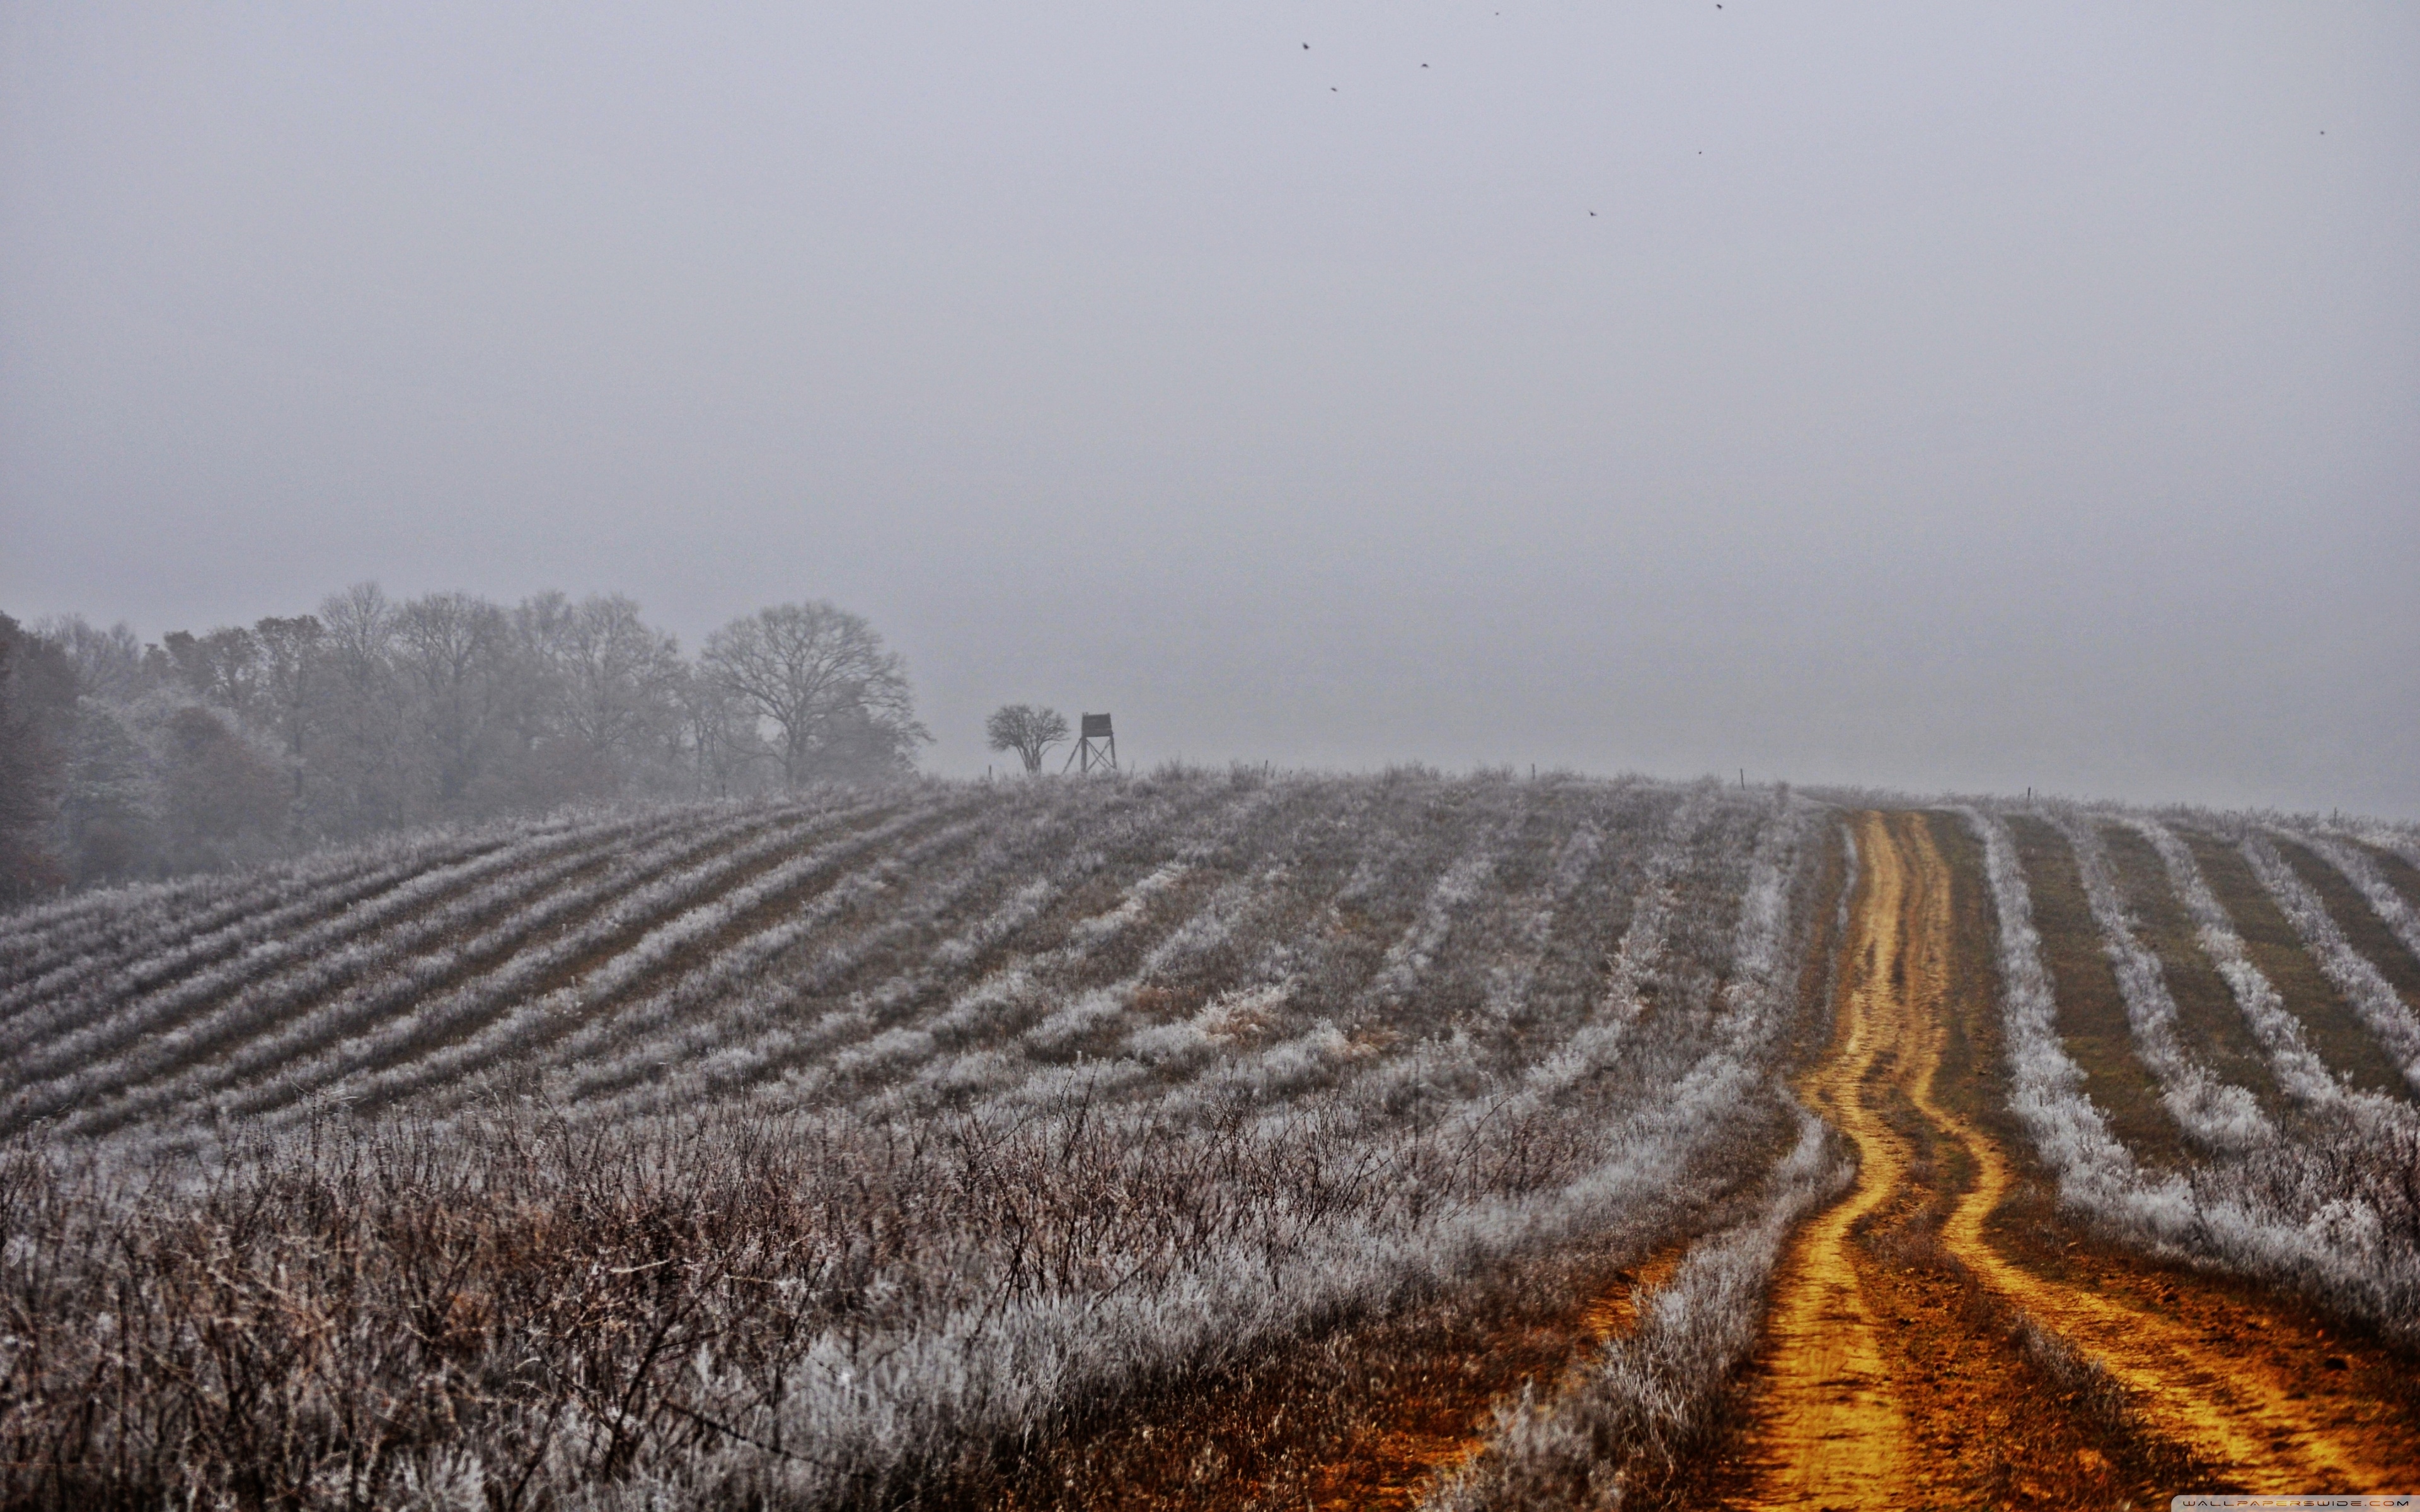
point(1096, 748)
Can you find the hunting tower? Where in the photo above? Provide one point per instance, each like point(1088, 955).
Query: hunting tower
point(1096, 750)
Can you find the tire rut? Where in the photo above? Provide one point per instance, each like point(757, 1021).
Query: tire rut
point(2216, 1402)
point(1828, 1429)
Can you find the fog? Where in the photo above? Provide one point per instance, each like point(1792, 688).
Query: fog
point(1884, 394)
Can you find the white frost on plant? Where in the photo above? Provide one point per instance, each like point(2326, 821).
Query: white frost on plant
point(2299, 1071)
point(2392, 908)
point(2382, 1010)
point(2251, 1214)
point(2217, 1114)
point(1509, 979)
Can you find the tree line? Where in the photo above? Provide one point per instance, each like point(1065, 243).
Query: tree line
point(122, 760)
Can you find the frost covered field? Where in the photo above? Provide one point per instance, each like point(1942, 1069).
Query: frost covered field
point(866, 1148)
point(2268, 1136)
point(903, 1146)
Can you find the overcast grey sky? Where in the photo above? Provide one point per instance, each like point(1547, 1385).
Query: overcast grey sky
point(1920, 395)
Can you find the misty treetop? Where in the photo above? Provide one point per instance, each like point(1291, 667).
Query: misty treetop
point(1026, 730)
point(36, 686)
point(836, 702)
point(121, 760)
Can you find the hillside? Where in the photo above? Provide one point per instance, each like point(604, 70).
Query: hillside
point(1209, 1140)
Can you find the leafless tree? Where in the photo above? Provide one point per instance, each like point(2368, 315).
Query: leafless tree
point(361, 768)
point(594, 700)
point(1026, 730)
point(107, 663)
point(374, 714)
point(36, 701)
point(720, 737)
point(223, 667)
point(289, 653)
point(820, 676)
point(451, 644)
point(618, 674)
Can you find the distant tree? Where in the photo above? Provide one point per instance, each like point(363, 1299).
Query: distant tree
point(617, 676)
point(223, 803)
point(452, 647)
point(839, 703)
point(37, 704)
point(1026, 730)
point(110, 815)
point(596, 708)
point(289, 655)
point(108, 664)
point(718, 734)
point(223, 747)
point(361, 776)
point(223, 667)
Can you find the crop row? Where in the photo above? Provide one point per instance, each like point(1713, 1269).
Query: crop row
point(1428, 1205)
point(153, 930)
point(2327, 1204)
point(1040, 1098)
point(552, 938)
point(278, 1027)
point(81, 1020)
point(2216, 1114)
point(2372, 996)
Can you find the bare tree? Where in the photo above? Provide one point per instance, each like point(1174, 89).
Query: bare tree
point(1026, 730)
point(451, 644)
point(36, 705)
point(107, 663)
point(289, 649)
point(720, 736)
point(618, 674)
point(362, 774)
point(819, 675)
point(373, 714)
point(223, 667)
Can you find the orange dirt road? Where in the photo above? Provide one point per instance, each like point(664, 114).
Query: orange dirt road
point(1828, 1429)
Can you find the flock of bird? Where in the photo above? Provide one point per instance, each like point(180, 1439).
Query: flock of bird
point(1335, 91)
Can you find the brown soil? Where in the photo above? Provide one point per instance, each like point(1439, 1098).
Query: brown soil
point(2211, 1028)
point(1369, 1415)
point(2363, 930)
point(1373, 1412)
point(1828, 1429)
point(2092, 1020)
point(1941, 1337)
point(2335, 1032)
point(2020, 1363)
point(2399, 873)
point(1391, 1462)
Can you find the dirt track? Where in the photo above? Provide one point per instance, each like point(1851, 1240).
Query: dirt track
point(2225, 1380)
point(1830, 1431)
